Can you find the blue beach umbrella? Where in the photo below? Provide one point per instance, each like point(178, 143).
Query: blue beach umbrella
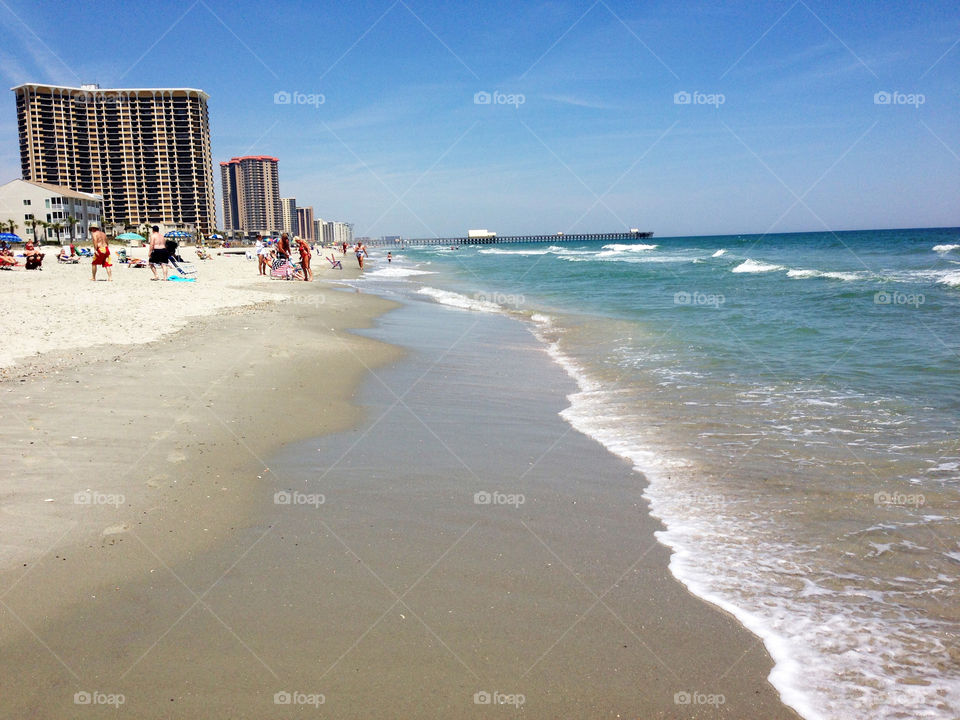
point(178, 234)
point(10, 237)
point(130, 236)
point(216, 236)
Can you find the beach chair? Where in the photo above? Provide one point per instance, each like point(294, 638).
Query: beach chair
point(282, 270)
point(334, 264)
point(183, 268)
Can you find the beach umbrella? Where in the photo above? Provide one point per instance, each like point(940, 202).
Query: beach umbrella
point(130, 236)
point(216, 236)
point(178, 234)
point(10, 237)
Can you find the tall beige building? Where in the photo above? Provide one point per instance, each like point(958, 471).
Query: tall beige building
point(145, 151)
point(251, 195)
point(288, 209)
point(305, 222)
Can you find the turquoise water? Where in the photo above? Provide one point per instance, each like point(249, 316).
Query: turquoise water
point(794, 402)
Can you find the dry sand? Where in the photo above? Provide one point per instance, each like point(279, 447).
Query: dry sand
point(59, 308)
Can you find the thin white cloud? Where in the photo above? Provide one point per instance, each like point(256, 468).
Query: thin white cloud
point(578, 102)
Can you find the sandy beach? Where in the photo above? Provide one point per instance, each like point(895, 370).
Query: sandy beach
point(144, 552)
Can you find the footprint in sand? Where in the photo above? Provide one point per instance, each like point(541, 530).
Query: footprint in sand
point(114, 530)
point(176, 457)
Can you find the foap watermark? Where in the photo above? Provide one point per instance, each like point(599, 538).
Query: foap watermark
point(295, 697)
point(498, 498)
point(885, 97)
point(696, 97)
point(311, 299)
point(899, 298)
point(96, 697)
point(499, 298)
point(914, 500)
point(714, 300)
point(482, 697)
point(698, 698)
point(498, 98)
point(287, 497)
point(99, 98)
point(283, 97)
point(92, 497)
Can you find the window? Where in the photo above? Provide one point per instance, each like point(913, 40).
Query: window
point(28, 217)
point(47, 202)
point(26, 202)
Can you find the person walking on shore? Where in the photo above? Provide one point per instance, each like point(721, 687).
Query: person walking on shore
point(101, 253)
point(304, 249)
point(157, 253)
point(360, 250)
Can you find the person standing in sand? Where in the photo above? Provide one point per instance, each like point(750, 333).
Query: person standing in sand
point(158, 254)
point(101, 253)
point(304, 249)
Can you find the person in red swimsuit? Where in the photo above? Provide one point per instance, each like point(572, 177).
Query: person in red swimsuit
point(101, 253)
point(305, 253)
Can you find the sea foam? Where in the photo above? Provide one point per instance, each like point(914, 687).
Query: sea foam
point(754, 266)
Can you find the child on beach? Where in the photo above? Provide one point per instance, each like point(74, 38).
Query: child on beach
point(101, 253)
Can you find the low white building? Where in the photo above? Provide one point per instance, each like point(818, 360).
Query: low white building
point(24, 201)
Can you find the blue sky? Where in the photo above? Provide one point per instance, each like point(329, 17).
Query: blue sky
point(782, 132)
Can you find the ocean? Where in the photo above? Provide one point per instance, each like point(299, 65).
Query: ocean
point(793, 401)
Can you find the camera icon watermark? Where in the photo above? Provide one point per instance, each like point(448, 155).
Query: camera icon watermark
point(914, 500)
point(714, 300)
point(283, 97)
point(498, 498)
point(295, 697)
point(683, 97)
point(92, 497)
point(499, 298)
point(482, 697)
point(698, 698)
point(286, 497)
point(884, 97)
point(498, 98)
point(899, 298)
point(97, 697)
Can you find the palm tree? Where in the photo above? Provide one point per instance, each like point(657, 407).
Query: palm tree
point(57, 228)
point(33, 224)
point(45, 225)
point(72, 224)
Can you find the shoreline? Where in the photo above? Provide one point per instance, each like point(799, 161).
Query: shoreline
point(163, 566)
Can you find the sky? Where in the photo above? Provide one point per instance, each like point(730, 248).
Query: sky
point(427, 118)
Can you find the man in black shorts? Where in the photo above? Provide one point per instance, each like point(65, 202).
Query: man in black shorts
point(158, 253)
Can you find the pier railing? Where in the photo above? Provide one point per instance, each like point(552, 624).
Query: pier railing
point(498, 239)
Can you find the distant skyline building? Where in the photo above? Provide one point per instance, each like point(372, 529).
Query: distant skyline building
point(318, 230)
point(251, 195)
point(337, 233)
point(305, 222)
point(288, 211)
point(146, 152)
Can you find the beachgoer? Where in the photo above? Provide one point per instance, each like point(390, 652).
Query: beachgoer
point(33, 257)
point(360, 250)
point(344, 247)
point(283, 247)
point(264, 258)
point(158, 253)
point(101, 253)
point(389, 257)
point(304, 249)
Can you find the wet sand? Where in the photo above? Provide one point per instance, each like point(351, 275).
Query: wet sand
point(362, 575)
